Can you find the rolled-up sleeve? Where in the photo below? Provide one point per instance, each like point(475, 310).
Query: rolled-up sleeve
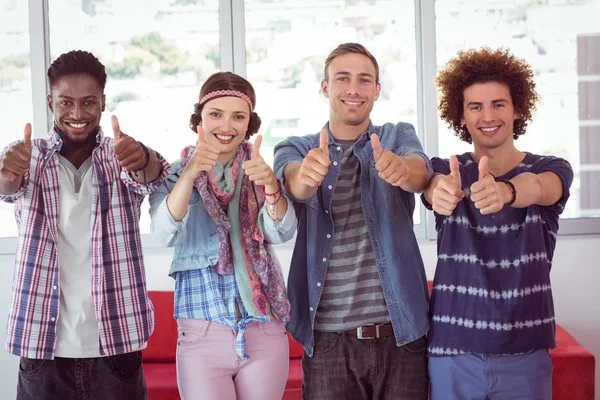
point(407, 142)
point(164, 228)
point(278, 231)
point(290, 150)
point(144, 189)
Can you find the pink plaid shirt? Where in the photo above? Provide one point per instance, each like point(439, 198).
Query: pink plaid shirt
point(123, 309)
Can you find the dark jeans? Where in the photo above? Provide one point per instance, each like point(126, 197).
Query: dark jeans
point(104, 378)
point(344, 367)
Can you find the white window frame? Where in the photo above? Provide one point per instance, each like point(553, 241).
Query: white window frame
point(233, 58)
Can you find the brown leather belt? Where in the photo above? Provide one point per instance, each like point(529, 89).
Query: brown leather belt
point(374, 331)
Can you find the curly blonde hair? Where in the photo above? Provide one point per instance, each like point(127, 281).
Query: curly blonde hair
point(482, 66)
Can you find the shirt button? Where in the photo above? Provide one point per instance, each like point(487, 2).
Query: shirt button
point(328, 236)
point(319, 284)
point(324, 259)
point(326, 211)
point(54, 287)
point(330, 187)
point(312, 309)
point(335, 163)
point(339, 148)
point(52, 319)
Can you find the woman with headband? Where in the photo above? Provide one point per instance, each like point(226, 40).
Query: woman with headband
point(221, 207)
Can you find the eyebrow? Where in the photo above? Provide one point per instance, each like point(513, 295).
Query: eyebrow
point(62, 96)
point(359, 74)
point(478, 103)
point(235, 112)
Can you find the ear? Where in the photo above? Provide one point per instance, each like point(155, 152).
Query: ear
point(462, 121)
point(324, 88)
point(378, 89)
point(103, 103)
point(49, 99)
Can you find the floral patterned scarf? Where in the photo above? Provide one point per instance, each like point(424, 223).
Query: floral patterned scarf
point(264, 272)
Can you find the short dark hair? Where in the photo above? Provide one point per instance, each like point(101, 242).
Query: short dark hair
point(226, 81)
point(485, 65)
point(350, 48)
point(77, 62)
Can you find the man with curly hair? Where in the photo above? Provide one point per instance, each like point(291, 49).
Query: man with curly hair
point(80, 312)
point(497, 210)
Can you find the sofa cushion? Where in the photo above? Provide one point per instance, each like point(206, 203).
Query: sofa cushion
point(161, 381)
point(162, 345)
point(296, 349)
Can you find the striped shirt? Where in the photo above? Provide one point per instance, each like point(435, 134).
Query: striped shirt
point(123, 309)
point(491, 291)
point(352, 294)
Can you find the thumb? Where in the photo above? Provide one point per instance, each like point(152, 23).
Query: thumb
point(376, 144)
point(454, 171)
point(116, 128)
point(27, 135)
point(201, 135)
point(324, 142)
point(256, 147)
point(483, 167)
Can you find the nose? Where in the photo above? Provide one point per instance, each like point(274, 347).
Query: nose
point(353, 86)
point(226, 126)
point(76, 112)
point(488, 114)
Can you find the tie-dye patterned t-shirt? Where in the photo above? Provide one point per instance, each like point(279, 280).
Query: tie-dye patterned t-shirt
point(491, 291)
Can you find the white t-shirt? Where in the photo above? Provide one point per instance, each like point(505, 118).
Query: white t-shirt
point(77, 329)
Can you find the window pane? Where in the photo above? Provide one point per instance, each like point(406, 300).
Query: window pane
point(286, 47)
point(564, 54)
point(157, 54)
point(15, 86)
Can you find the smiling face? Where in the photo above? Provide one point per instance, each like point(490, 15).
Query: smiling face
point(226, 118)
point(352, 90)
point(77, 102)
point(489, 115)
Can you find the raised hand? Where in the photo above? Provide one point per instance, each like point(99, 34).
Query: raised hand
point(129, 152)
point(257, 170)
point(486, 193)
point(17, 159)
point(390, 167)
point(315, 165)
point(448, 190)
point(205, 155)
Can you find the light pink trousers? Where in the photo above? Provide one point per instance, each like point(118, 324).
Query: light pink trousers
point(209, 368)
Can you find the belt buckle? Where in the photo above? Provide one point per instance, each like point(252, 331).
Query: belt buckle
point(359, 332)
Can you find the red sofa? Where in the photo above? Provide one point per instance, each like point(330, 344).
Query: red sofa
point(573, 376)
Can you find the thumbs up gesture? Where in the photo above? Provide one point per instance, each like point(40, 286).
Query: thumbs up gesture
point(448, 190)
point(129, 152)
point(315, 165)
point(390, 167)
point(486, 193)
point(258, 171)
point(205, 154)
point(17, 159)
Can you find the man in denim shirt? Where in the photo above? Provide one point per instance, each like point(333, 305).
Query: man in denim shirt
point(357, 284)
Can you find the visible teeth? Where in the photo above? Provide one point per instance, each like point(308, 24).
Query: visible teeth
point(488, 129)
point(78, 125)
point(224, 137)
point(353, 103)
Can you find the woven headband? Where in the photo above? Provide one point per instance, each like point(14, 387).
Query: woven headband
point(234, 93)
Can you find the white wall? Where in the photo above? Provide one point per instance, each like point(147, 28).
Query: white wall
point(575, 279)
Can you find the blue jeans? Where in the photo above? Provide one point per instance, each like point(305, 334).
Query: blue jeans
point(489, 377)
point(344, 367)
point(104, 378)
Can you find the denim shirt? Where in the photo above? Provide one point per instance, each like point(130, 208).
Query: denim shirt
point(388, 212)
point(195, 237)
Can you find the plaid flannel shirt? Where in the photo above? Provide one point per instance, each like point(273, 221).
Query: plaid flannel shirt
point(124, 312)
